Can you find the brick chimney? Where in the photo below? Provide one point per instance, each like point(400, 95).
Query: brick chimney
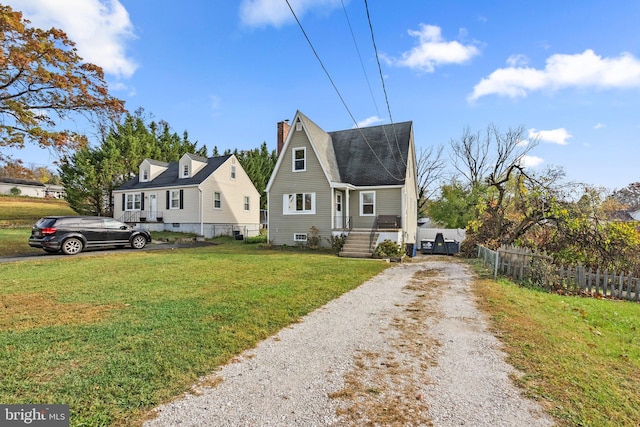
point(283, 131)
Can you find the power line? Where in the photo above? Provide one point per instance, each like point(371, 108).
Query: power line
point(373, 98)
point(384, 87)
point(340, 95)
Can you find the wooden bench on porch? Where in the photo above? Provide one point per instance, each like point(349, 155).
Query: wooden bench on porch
point(388, 221)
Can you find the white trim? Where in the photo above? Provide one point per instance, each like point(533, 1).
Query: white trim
point(362, 193)
point(246, 201)
point(219, 200)
point(171, 199)
point(133, 202)
point(293, 159)
point(297, 237)
point(289, 200)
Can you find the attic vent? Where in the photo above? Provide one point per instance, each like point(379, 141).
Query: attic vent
point(298, 126)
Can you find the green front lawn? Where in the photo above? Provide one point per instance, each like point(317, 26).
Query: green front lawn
point(114, 335)
point(580, 356)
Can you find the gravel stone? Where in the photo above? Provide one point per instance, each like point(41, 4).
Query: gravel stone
point(287, 379)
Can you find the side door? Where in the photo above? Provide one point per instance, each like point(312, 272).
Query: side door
point(117, 232)
point(93, 230)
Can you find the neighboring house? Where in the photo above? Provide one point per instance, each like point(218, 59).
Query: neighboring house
point(31, 188)
point(359, 182)
point(209, 197)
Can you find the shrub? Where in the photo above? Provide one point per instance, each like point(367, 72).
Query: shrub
point(337, 242)
point(313, 240)
point(388, 249)
point(15, 191)
point(262, 238)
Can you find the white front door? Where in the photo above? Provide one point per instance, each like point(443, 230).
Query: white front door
point(339, 217)
point(153, 207)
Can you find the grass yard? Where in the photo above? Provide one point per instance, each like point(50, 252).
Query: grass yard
point(580, 356)
point(115, 335)
point(17, 216)
point(25, 211)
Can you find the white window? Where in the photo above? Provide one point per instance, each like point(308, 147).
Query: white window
point(133, 202)
point(174, 199)
point(217, 200)
point(300, 203)
point(185, 171)
point(233, 171)
point(299, 159)
point(247, 205)
point(145, 175)
point(367, 203)
point(300, 237)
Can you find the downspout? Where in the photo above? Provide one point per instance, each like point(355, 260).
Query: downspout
point(201, 212)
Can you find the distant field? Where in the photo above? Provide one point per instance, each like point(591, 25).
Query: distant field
point(25, 211)
point(18, 214)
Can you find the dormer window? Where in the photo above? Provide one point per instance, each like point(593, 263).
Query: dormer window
point(145, 175)
point(299, 159)
point(185, 171)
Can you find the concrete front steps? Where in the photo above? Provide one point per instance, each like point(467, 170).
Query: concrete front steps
point(358, 245)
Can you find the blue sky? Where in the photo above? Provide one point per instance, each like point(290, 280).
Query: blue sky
point(227, 72)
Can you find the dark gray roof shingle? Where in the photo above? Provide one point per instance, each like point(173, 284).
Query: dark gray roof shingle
point(376, 155)
point(170, 177)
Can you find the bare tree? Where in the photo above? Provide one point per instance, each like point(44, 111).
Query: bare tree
point(492, 157)
point(431, 168)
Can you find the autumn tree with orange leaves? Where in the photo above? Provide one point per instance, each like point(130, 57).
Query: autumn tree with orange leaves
point(44, 82)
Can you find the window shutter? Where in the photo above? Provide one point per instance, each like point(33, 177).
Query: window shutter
point(141, 201)
point(124, 202)
point(181, 199)
point(168, 201)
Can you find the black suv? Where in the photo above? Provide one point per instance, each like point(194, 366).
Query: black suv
point(73, 234)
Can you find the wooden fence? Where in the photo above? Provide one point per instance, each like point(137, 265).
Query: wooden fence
point(531, 268)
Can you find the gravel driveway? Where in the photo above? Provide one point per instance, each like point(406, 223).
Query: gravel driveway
point(406, 348)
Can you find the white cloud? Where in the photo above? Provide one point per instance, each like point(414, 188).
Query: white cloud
point(369, 121)
point(531, 161)
point(599, 126)
point(517, 60)
point(262, 13)
point(100, 29)
point(432, 50)
point(561, 71)
point(555, 136)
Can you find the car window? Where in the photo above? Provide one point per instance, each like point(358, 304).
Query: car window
point(92, 223)
point(45, 222)
point(113, 224)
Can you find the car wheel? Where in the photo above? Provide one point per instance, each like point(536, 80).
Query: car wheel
point(138, 242)
point(72, 246)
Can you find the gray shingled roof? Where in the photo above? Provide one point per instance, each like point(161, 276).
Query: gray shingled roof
point(324, 147)
point(21, 181)
point(170, 177)
point(375, 155)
